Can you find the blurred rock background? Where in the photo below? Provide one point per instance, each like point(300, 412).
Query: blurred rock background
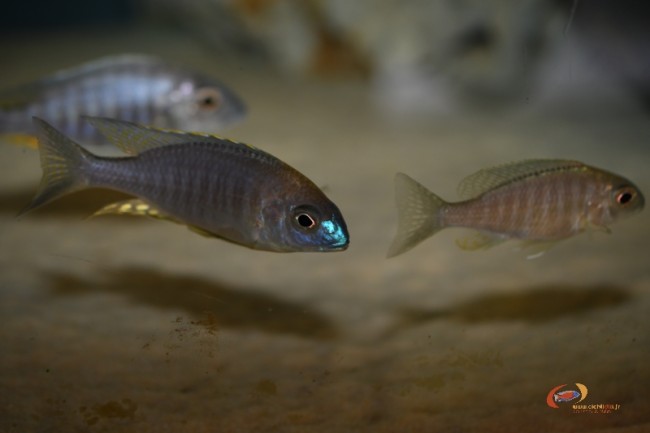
point(423, 55)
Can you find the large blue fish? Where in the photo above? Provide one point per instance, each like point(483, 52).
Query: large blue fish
point(216, 187)
point(138, 88)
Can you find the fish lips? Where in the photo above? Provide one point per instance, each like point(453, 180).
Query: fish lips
point(340, 246)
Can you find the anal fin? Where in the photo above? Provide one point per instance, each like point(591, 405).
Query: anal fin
point(479, 241)
point(137, 207)
point(535, 249)
point(134, 207)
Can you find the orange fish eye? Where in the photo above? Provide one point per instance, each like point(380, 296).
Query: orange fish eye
point(208, 98)
point(625, 196)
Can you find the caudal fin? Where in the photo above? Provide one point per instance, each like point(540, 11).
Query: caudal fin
point(62, 162)
point(418, 214)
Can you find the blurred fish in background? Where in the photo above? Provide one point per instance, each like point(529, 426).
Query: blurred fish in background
point(133, 87)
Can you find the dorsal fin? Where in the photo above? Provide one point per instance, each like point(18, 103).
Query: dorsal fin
point(490, 178)
point(134, 139)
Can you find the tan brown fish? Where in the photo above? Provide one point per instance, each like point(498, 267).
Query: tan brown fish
point(537, 201)
point(218, 188)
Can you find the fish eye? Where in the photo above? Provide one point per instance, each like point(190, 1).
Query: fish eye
point(208, 99)
point(625, 196)
point(305, 220)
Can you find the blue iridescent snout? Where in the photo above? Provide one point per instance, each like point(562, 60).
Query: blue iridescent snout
point(335, 234)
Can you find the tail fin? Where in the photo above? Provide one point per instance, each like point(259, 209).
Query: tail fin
point(417, 214)
point(62, 161)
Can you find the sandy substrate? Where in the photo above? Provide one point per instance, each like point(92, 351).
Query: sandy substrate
point(126, 325)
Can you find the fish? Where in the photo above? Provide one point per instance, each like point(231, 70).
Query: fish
point(538, 202)
point(564, 396)
point(216, 187)
point(134, 87)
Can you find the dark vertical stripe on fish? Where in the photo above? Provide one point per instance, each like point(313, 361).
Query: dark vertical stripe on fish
point(559, 217)
point(501, 207)
point(549, 198)
point(531, 194)
point(575, 202)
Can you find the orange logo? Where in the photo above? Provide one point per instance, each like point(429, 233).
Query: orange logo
point(560, 395)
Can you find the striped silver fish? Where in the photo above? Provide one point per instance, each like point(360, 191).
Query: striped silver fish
point(537, 201)
point(218, 188)
point(132, 87)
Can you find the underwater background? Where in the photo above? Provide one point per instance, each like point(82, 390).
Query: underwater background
point(121, 324)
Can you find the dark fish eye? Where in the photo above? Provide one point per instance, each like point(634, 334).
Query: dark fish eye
point(305, 217)
point(305, 220)
point(624, 196)
point(208, 99)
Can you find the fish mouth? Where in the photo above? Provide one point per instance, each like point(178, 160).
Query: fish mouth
point(341, 247)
